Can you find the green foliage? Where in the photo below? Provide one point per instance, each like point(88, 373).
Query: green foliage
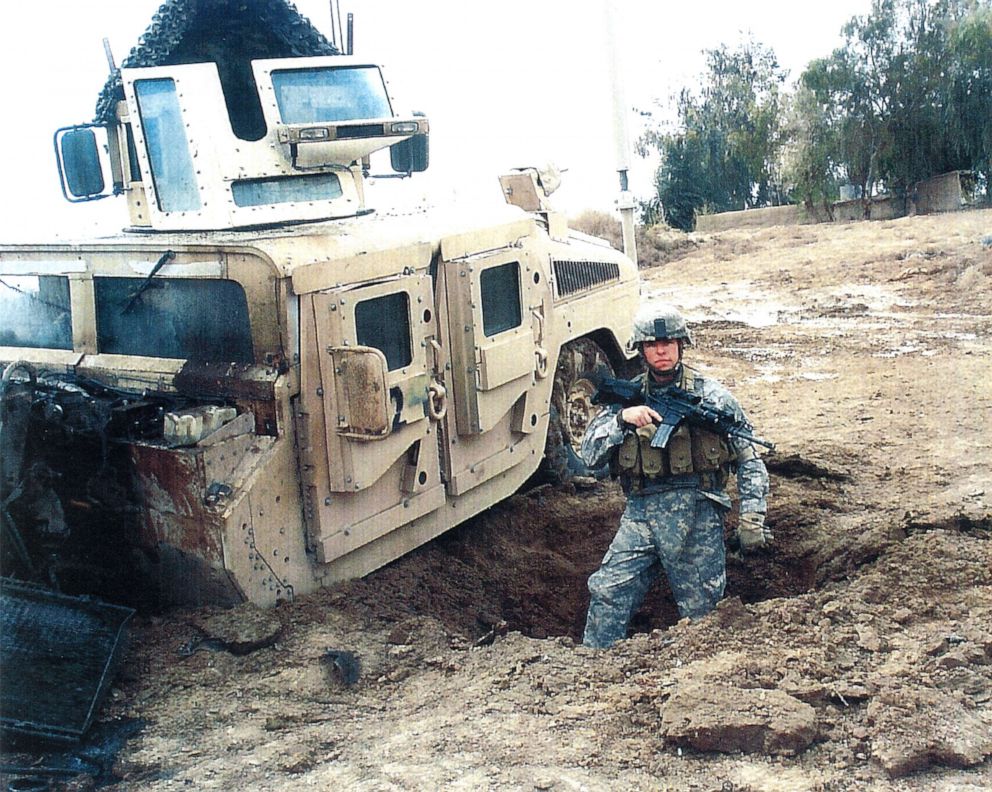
point(723, 151)
point(908, 96)
point(905, 98)
point(809, 162)
point(682, 180)
point(970, 101)
point(651, 212)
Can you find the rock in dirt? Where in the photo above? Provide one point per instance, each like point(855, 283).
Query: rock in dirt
point(731, 613)
point(719, 717)
point(343, 666)
point(913, 729)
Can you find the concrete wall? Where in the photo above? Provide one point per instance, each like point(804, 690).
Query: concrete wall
point(751, 218)
point(939, 194)
point(848, 211)
point(883, 207)
point(887, 208)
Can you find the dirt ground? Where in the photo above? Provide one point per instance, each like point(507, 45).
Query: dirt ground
point(855, 654)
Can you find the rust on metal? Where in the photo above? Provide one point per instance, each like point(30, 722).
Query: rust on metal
point(173, 491)
point(227, 380)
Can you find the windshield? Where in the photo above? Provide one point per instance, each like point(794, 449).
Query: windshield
point(194, 319)
point(35, 312)
point(307, 96)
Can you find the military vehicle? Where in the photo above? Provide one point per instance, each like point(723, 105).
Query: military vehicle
point(263, 385)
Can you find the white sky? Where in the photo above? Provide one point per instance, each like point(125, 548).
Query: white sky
point(505, 84)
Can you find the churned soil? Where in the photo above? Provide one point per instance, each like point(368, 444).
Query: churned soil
point(856, 654)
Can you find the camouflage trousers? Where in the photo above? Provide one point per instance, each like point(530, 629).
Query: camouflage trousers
point(679, 531)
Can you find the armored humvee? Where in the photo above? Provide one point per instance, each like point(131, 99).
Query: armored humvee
point(262, 385)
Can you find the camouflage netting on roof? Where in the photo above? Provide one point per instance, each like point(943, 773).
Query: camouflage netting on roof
point(195, 31)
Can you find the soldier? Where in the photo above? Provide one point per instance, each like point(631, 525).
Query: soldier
point(676, 499)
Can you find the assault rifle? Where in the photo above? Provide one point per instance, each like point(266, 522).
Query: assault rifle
point(675, 406)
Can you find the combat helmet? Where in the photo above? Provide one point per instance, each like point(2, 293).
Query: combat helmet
point(657, 322)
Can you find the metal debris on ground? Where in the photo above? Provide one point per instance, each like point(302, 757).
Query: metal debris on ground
point(59, 655)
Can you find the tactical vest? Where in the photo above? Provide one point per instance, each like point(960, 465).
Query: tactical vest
point(691, 450)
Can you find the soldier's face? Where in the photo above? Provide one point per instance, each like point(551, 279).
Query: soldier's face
point(662, 355)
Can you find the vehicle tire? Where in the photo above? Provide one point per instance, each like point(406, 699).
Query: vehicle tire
point(572, 409)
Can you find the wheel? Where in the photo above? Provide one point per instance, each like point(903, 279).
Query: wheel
point(572, 409)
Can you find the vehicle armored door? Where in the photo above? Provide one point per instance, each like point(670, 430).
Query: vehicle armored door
point(371, 391)
point(498, 380)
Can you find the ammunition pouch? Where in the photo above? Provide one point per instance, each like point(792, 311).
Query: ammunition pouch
point(692, 453)
point(709, 450)
point(679, 450)
point(629, 454)
point(652, 459)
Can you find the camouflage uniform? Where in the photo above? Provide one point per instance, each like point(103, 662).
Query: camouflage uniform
point(671, 523)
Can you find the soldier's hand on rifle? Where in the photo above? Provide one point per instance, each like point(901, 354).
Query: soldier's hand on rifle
point(639, 415)
point(752, 532)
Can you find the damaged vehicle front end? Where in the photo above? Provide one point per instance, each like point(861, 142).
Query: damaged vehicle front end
point(141, 425)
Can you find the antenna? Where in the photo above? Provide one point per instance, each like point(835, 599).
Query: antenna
point(110, 55)
point(343, 42)
point(334, 32)
point(340, 29)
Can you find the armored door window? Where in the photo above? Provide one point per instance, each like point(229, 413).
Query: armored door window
point(167, 145)
point(384, 323)
point(35, 312)
point(194, 319)
point(500, 287)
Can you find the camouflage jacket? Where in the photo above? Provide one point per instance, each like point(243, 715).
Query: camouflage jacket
point(604, 435)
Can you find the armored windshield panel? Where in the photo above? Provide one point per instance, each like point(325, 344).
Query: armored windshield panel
point(188, 318)
point(307, 96)
point(286, 189)
point(35, 312)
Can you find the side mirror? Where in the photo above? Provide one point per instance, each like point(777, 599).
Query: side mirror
point(411, 155)
point(79, 163)
point(363, 405)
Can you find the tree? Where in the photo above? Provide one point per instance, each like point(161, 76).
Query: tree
point(722, 153)
point(810, 166)
point(905, 98)
point(969, 119)
point(680, 179)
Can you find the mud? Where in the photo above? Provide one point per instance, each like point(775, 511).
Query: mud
point(855, 654)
